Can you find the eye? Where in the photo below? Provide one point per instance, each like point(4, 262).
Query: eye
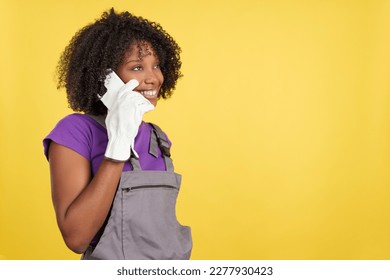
point(137, 68)
point(157, 66)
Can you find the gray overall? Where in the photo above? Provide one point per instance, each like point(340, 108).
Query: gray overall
point(142, 224)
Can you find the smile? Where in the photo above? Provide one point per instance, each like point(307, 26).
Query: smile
point(149, 93)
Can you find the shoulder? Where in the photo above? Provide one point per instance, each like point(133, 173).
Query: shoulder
point(75, 121)
point(75, 131)
point(78, 124)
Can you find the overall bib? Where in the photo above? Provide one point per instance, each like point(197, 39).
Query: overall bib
point(142, 223)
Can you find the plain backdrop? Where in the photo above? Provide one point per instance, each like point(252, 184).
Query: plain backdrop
point(280, 125)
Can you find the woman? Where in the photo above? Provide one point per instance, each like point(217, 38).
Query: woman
point(113, 185)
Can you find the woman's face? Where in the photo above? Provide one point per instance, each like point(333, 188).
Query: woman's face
point(141, 63)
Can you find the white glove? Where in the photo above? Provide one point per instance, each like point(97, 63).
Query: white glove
point(125, 108)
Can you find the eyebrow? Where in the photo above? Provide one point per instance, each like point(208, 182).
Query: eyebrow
point(134, 60)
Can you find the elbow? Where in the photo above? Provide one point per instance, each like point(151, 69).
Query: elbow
point(75, 243)
point(75, 237)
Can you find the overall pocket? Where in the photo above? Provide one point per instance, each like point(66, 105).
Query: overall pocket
point(149, 224)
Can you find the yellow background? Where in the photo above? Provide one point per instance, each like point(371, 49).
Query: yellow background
point(281, 124)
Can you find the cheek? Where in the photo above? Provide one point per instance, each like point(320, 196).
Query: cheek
point(127, 76)
point(122, 74)
point(161, 77)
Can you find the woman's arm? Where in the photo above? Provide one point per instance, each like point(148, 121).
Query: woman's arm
point(81, 202)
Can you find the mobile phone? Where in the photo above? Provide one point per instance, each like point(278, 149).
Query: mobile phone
point(112, 82)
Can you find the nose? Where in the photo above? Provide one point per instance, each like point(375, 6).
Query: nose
point(150, 77)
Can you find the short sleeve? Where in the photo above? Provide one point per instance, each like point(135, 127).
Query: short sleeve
point(73, 132)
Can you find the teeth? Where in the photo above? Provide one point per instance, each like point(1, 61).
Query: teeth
point(148, 92)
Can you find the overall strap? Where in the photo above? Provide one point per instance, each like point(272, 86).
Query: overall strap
point(162, 142)
point(100, 119)
point(158, 139)
point(134, 162)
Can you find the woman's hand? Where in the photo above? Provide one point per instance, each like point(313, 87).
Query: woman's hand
point(125, 108)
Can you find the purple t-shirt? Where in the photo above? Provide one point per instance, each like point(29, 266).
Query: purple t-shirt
point(87, 137)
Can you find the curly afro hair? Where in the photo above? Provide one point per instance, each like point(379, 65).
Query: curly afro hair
point(102, 45)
